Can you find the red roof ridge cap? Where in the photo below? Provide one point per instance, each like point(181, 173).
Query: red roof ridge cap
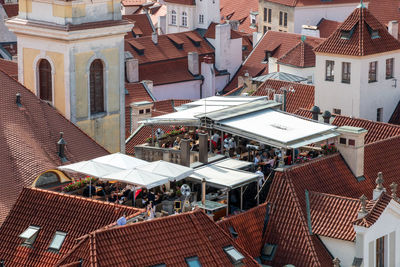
point(334, 196)
point(312, 161)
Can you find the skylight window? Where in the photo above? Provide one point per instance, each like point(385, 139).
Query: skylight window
point(268, 252)
point(58, 240)
point(30, 235)
point(193, 262)
point(235, 256)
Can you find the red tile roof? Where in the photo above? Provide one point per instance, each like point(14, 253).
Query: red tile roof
point(358, 25)
point(239, 10)
point(9, 67)
point(326, 27)
point(333, 216)
point(167, 240)
point(166, 49)
point(313, 2)
point(385, 10)
point(142, 24)
point(210, 33)
point(182, 2)
point(375, 209)
point(302, 55)
point(376, 130)
point(11, 9)
point(395, 118)
point(249, 227)
point(306, 113)
point(133, 2)
point(167, 106)
point(52, 212)
point(28, 140)
point(278, 43)
point(302, 97)
point(136, 93)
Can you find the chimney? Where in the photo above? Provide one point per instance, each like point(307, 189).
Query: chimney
point(256, 37)
point(363, 210)
point(222, 45)
point(203, 191)
point(185, 152)
point(18, 102)
point(315, 112)
point(208, 73)
point(154, 38)
point(148, 84)
point(326, 116)
point(203, 148)
point(393, 28)
point(308, 30)
point(61, 148)
point(379, 189)
point(234, 24)
point(132, 70)
point(393, 188)
point(193, 63)
point(351, 145)
point(336, 262)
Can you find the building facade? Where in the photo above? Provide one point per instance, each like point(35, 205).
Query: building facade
point(71, 54)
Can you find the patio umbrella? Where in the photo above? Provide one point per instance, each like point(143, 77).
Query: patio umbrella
point(91, 168)
point(120, 160)
point(171, 170)
point(138, 177)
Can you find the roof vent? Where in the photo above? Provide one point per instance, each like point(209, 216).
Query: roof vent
point(326, 116)
point(18, 101)
point(61, 148)
point(315, 112)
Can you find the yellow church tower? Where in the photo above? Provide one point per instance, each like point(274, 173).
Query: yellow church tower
point(71, 54)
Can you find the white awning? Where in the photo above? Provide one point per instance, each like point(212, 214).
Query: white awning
point(138, 177)
point(91, 168)
point(120, 160)
point(173, 171)
point(222, 177)
point(233, 164)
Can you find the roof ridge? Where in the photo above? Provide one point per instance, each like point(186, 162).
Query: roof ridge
point(312, 161)
point(334, 196)
point(371, 121)
point(364, 220)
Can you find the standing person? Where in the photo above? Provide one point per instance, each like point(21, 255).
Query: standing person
point(261, 177)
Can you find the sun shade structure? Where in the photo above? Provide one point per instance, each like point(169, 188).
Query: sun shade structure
point(172, 171)
point(120, 160)
point(90, 167)
point(233, 164)
point(220, 177)
point(139, 178)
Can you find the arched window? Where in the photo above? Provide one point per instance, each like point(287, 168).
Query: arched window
point(173, 17)
point(96, 87)
point(45, 81)
point(184, 18)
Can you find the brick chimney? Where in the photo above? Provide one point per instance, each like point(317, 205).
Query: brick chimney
point(351, 145)
point(393, 28)
point(193, 63)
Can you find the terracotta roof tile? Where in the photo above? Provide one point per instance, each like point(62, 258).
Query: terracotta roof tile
point(167, 106)
point(167, 240)
point(302, 97)
point(376, 130)
point(385, 10)
point(52, 212)
point(133, 2)
point(239, 10)
point(9, 67)
point(302, 55)
point(395, 118)
point(165, 49)
point(249, 227)
point(28, 140)
point(142, 24)
point(326, 27)
point(182, 2)
point(313, 2)
point(11, 10)
point(359, 24)
point(333, 216)
point(210, 33)
point(278, 43)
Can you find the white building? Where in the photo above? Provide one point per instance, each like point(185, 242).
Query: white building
point(357, 69)
point(187, 15)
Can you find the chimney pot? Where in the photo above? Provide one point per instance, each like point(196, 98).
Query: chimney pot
point(18, 100)
point(326, 116)
point(315, 112)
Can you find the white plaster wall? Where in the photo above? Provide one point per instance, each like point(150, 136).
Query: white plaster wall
point(311, 15)
point(221, 82)
point(190, 10)
point(388, 222)
point(211, 11)
point(380, 94)
point(302, 72)
point(335, 94)
point(5, 34)
point(183, 90)
point(228, 52)
point(344, 250)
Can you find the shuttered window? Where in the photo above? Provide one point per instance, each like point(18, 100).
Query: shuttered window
point(96, 87)
point(45, 83)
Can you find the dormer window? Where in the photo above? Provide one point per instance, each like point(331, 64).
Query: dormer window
point(374, 33)
point(345, 35)
point(235, 256)
point(30, 235)
point(57, 241)
point(193, 262)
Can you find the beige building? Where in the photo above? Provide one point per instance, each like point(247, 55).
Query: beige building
point(290, 16)
point(71, 54)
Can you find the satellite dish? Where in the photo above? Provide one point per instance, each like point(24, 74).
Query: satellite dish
point(185, 190)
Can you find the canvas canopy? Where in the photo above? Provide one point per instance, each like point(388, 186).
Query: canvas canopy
point(120, 160)
point(90, 167)
point(172, 171)
point(138, 177)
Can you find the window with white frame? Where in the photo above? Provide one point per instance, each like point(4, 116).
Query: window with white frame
point(346, 72)
point(201, 18)
point(184, 18)
point(329, 68)
point(389, 68)
point(173, 17)
point(372, 71)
